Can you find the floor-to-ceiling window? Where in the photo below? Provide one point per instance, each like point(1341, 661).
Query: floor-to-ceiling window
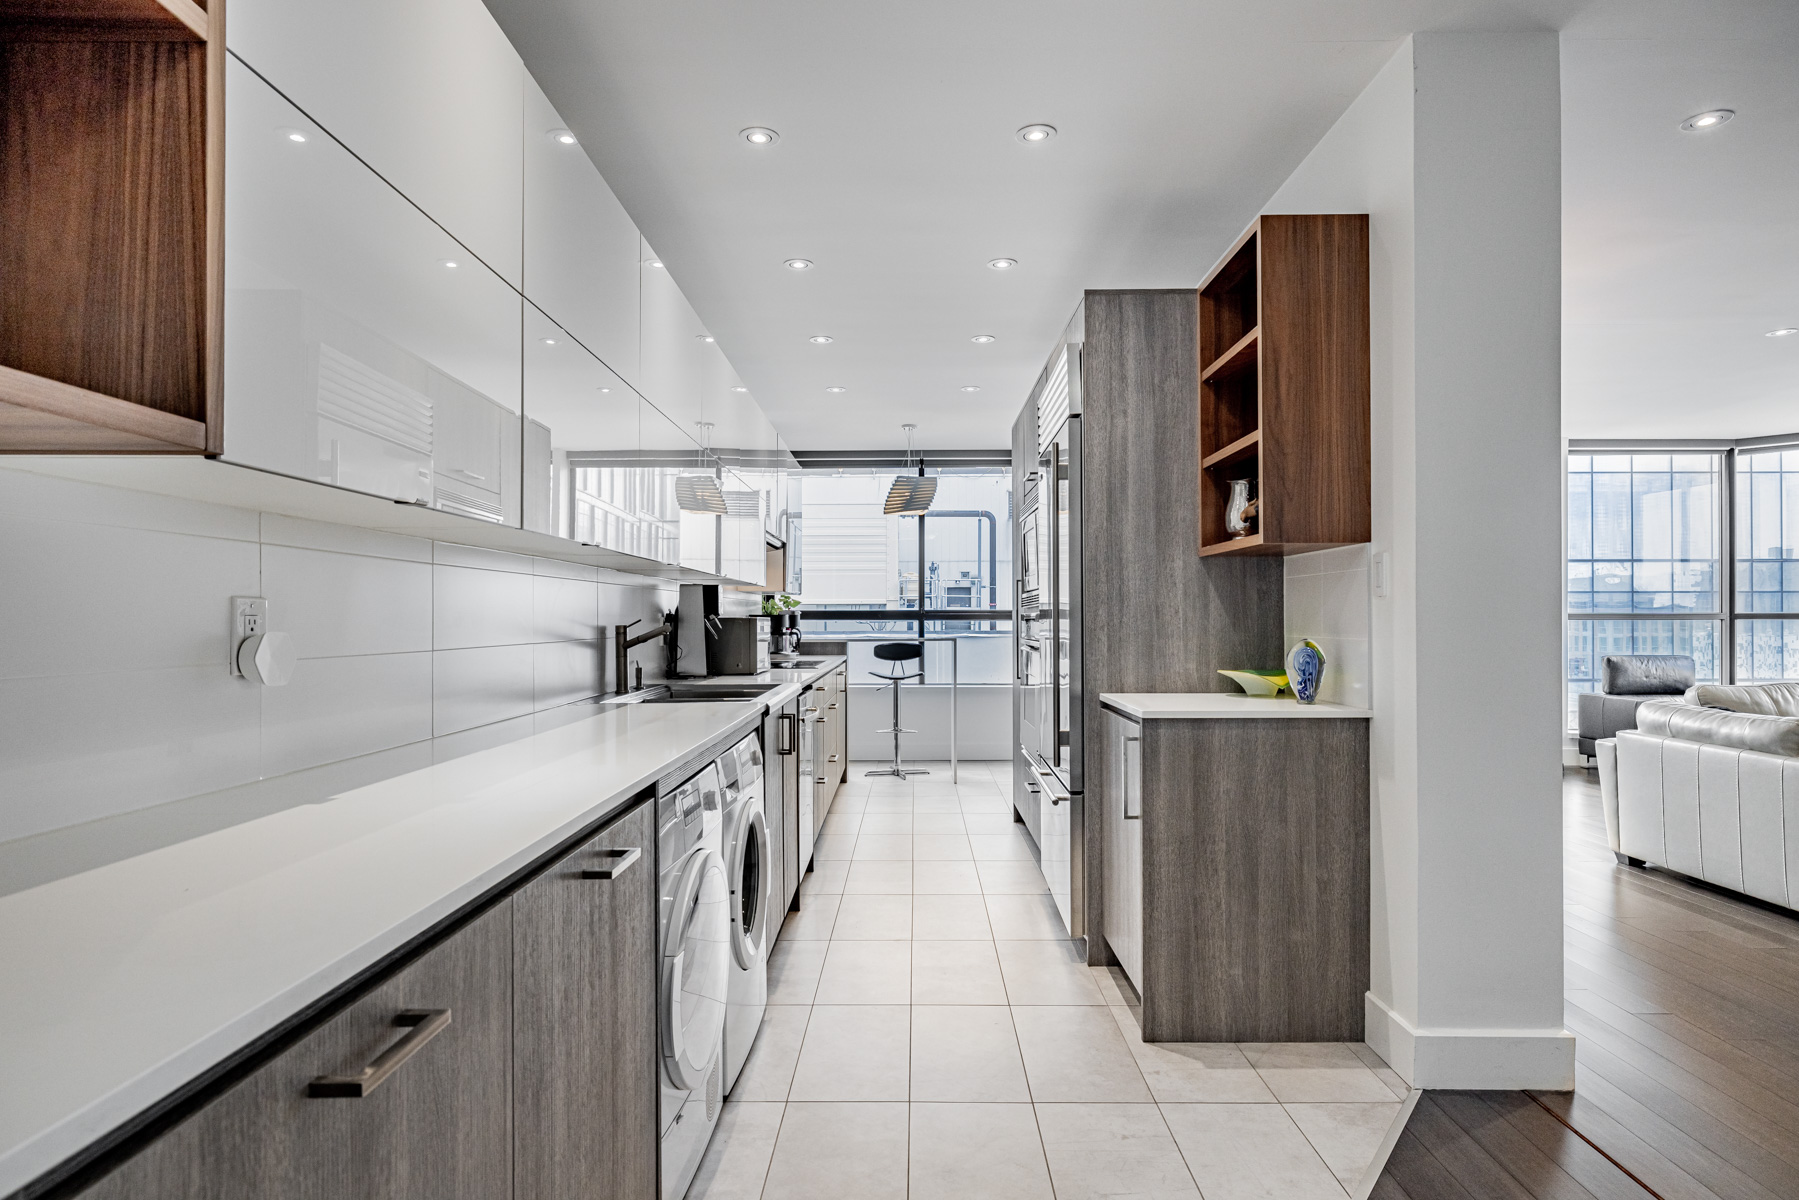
point(1644, 569)
point(1667, 557)
point(1767, 565)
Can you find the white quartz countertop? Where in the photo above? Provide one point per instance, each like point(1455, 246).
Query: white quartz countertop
point(1196, 706)
point(124, 981)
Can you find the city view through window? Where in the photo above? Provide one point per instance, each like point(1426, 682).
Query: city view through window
point(1649, 536)
point(847, 555)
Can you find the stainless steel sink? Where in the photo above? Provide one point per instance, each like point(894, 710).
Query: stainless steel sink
point(691, 693)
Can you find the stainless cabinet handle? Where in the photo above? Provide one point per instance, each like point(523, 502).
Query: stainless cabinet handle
point(832, 704)
point(784, 734)
point(833, 758)
point(1129, 791)
point(621, 862)
point(425, 1023)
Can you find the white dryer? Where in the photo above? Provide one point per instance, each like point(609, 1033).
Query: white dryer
point(748, 871)
point(695, 966)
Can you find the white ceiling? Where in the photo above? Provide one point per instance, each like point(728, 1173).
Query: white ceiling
point(898, 174)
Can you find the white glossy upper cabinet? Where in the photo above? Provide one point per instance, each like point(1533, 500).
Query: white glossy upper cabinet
point(673, 347)
point(364, 346)
point(581, 249)
point(427, 92)
point(597, 484)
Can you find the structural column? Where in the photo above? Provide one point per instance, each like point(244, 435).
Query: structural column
point(1454, 150)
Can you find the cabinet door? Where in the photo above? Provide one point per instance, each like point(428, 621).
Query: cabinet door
point(787, 760)
point(584, 995)
point(775, 816)
point(440, 1125)
point(1124, 844)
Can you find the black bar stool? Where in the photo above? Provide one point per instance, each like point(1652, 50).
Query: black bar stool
point(896, 653)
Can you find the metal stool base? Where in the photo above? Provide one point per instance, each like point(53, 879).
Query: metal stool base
point(898, 772)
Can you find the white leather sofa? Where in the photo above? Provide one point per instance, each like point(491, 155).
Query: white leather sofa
point(1708, 785)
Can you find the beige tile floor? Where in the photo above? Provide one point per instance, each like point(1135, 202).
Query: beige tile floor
point(931, 1033)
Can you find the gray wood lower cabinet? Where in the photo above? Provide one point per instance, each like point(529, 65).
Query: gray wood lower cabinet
point(584, 1015)
point(440, 1125)
point(1251, 901)
point(542, 1085)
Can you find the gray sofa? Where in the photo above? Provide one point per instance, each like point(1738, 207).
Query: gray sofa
point(1625, 681)
point(1708, 785)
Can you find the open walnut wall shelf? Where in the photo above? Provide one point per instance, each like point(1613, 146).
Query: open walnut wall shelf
point(1283, 391)
point(111, 258)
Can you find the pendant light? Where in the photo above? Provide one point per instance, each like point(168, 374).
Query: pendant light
point(910, 496)
point(701, 493)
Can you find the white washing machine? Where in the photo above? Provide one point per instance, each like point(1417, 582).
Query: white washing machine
point(695, 964)
point(747, 870)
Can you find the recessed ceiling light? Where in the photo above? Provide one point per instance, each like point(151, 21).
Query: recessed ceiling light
point(1710, 119)
point(971, 388)
point(654, 262)
point(451, 263)
point(756, 135)
point(982, 339)
point(740, 389)
point(562, 136)
point(1003, 264)
point(798, 264)
point(1032, 134)
point(819, 340)
point(292, 135)
point(605, 389)
point(705, 337)
point(836, 389)
point(1781, 332)
point(547, 341)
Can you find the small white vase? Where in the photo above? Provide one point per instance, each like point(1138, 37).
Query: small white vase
point(1234, 522)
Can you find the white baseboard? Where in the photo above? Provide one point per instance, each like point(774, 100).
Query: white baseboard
point(1496, 1059)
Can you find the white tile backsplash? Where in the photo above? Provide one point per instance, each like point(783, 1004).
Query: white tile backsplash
point(78, 747)
point(562, 672)
point(1326, 598)
point(481, 608)
point(115, 688)
point(564, 610)
point(480, 685)
point(344, 604)
point(334, 708)
point(78, 598)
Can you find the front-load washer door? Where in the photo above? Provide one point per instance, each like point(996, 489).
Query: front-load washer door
point(696, 970)
point(749, 873)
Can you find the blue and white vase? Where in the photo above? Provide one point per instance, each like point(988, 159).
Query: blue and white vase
point(1305, 671)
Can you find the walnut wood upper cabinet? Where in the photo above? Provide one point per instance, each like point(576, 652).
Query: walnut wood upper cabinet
point(111, 252)
point(584, 979)
point(1284, 389)
point(439, 1124)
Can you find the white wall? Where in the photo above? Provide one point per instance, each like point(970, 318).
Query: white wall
point(115, 692)
point(1454, 151)
point(983, 722)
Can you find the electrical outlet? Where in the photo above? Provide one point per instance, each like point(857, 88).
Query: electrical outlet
point(1381, 584)
point(249, 617)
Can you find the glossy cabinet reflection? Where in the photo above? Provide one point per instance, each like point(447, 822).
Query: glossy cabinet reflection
point(433, 296)
point(427, 92)
point(582, 253)
point(365, 347)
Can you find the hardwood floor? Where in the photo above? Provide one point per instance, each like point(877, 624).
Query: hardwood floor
point(1684, 1000)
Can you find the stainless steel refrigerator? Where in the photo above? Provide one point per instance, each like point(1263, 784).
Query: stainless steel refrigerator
point(1050, 645)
